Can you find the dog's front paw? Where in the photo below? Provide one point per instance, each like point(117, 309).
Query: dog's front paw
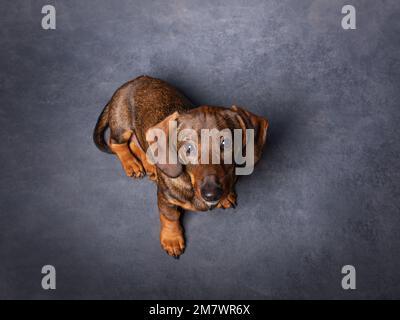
point(172, 241)
point(133, 169)
point(152, 174)
point(228, 202)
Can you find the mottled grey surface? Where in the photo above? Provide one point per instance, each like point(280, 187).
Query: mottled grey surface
point(326, 193)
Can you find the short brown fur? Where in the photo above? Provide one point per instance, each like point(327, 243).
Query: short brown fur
point(146, 102)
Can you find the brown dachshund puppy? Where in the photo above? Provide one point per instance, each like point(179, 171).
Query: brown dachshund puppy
point(147, 103)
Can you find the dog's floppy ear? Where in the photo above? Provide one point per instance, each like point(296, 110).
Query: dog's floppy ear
point(248, 120)
point(171, 168)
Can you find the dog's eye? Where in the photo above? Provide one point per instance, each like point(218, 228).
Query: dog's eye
point(189, 148)
point(225, 143)
point(188, 153)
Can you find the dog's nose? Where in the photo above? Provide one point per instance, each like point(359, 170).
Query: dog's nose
point(211, 190)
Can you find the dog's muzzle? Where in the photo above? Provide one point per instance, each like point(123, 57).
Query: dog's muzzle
point(211, 190)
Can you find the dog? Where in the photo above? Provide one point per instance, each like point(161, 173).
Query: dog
point(147, 103)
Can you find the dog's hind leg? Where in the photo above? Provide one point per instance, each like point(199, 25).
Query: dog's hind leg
point(130, 163)
point(137, 150)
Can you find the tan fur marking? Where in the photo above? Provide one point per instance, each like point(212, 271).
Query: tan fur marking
point(171, 236)
point(141, 155)
point(131, 166)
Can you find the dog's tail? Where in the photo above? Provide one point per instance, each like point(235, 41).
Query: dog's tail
point(100, 129)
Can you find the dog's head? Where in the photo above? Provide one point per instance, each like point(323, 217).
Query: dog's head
point(206, 144)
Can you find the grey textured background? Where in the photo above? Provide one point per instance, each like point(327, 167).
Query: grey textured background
point(326, 193)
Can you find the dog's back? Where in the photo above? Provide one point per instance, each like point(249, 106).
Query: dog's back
point(137, 106)
point(150, 101)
